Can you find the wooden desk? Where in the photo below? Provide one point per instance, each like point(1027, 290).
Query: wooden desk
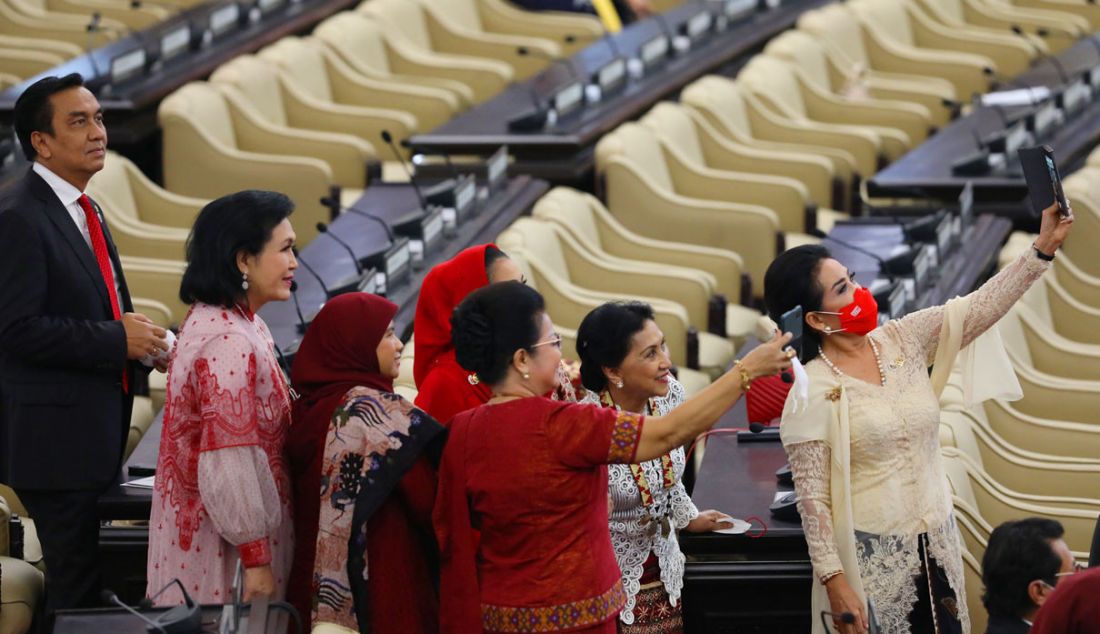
point(130, 109)
point(565, 152)
point(734, 583)
point(926, 170)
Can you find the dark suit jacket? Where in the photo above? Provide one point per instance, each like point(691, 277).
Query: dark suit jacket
point(63, 415)
point(1005, 625)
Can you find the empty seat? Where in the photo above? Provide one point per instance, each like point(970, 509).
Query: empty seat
point(24, 64)
point(700, 149)
point(1048, 33)
point(644, 191)
point(62, 28)
point(211, 150)
point(571, 31)
point(158, 280)
point(362, 44)
point(821, 70)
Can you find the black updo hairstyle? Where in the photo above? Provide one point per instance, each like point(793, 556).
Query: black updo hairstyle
point(491, 324)
point(243, 221)
point(492, 254)
point(603, 339)
point(791, 280)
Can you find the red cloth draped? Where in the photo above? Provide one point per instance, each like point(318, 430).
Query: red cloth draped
point(442, 384)
point(338, 352)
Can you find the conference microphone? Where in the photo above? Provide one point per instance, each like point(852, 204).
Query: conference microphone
point(106, 596)
point(390, 263)
point(884, 265)
point(426, 224)
point(323, 228)
point(329, 294)
point(554, 60)
point(302, 323)
point(332, 201)
point(388, 139)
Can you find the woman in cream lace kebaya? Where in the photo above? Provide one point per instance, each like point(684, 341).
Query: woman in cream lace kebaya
point(864, 449)
point(625, 366)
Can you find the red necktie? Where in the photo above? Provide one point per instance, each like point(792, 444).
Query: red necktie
point(99, 248)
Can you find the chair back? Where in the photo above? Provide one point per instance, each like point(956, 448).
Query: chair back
point(720, 101)
point(675, 128)
point(302, 62)
point(774, 81)
point(256, 82)
point(402, 18)
point(806, 53)
point(358, 40)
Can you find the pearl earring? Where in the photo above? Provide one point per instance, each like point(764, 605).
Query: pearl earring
point(619, 385)
point(526, 376)
point(828, 330)
point(244, 281)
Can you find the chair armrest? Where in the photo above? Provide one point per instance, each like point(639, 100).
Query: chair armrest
point(1040, 434)
point(419, 108)
point(965, 72)
point(1075, 17)
point(500, 17)
point(912, 119)
point(160, 207)
point(786, 198)
point(752, 232)
point(484, 77)
point(449, 38)
point(160, 313)
point(862, 145)
point(725, 266)
point(346, 155)
point(135, 18)
point(939, 112)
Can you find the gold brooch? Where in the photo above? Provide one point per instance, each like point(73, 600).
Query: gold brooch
point(472, 379)
point(833, 394)
point(898, 362)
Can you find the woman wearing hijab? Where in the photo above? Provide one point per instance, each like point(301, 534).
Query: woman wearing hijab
point(364, 484)
point(443, 387)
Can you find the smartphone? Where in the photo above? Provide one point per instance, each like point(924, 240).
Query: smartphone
point(1055, 181)
point(791, 322)
point(1044, 183)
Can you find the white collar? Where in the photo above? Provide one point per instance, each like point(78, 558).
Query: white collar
point(63, 189)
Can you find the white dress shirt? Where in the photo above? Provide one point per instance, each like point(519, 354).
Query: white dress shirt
point(70, 200)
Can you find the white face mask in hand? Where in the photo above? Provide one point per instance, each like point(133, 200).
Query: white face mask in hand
point(801, 387)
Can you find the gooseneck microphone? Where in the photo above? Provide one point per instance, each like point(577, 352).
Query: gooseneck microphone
point(297, 310)
point(111, 598)
point(388, 139)
point(312, 272)
point(323, 228)
point(884, 265)
point(333, 202)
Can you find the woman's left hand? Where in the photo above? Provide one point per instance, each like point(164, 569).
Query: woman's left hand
point(710, 520)
point(1053, 230)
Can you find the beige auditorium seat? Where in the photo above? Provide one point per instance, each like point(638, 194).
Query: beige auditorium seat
point(371, 49)
point(319, 76)
point(134, 17)
point(1035, 343)
point(211, 150)
point(1068, 316)
point(817, 68)
point(1043, 434)
point(409, 28)
point(722, 104)
point(73, 31)
point(774, 83)
point(699, 148)
point(557, 260)
point(1031, 473)
point(903, 24)
point(26, 63)
point(1082, 8)
point(42, 12)
point(997, 504)
point(572, 31)
point(64, 50)
point(887, 53)
point(568, 304)
point(362, 45)
point(256, 85)
point(1081, 286)
point(862, 61)
point(1048, 31)
point(145, 220)
point(972, 575)
point(141, 418)
point(22, 586)
point(9, 81)
point(1082, 188)
point(585, 217)
point(462, 28)
point(157, 280)
point(157, 311)
point(652, 194)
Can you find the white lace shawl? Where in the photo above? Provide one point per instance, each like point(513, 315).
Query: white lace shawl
point(629, 537)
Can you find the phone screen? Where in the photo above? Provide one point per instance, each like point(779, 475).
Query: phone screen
point(1056, 181)
point(791, 322)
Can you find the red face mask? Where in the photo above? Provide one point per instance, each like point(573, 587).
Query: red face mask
point(861, 316)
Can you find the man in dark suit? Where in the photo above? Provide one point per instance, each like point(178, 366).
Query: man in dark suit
point(1021, 566)
point(68, 337)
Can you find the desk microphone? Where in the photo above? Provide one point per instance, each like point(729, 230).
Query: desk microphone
point(323, 228)
point(302, 324)
point(388, 139)
point(106, 596)
point(884, 265)
point(313, 272)
point(555, 60)
point(333, 202)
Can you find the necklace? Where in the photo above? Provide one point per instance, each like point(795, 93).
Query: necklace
point(874, 349)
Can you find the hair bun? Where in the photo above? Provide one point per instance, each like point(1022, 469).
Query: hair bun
point(472, 335)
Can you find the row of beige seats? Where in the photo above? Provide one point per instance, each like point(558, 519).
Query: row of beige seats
point(1039, 455)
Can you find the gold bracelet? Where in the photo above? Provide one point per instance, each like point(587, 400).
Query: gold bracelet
point(746, 380)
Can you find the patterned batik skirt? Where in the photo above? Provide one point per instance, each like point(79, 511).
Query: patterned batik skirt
point(653, 612)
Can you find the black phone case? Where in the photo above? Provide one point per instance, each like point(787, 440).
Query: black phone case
point(1044, 185)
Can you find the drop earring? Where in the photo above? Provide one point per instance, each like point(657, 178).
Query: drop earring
point(526, 376)
point(619, 384)
point(828, 330)
point(244, 281)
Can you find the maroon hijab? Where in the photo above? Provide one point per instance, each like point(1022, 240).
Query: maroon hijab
point(338, 352)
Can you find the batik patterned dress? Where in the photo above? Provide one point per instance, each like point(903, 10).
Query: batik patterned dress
point(222, 490)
